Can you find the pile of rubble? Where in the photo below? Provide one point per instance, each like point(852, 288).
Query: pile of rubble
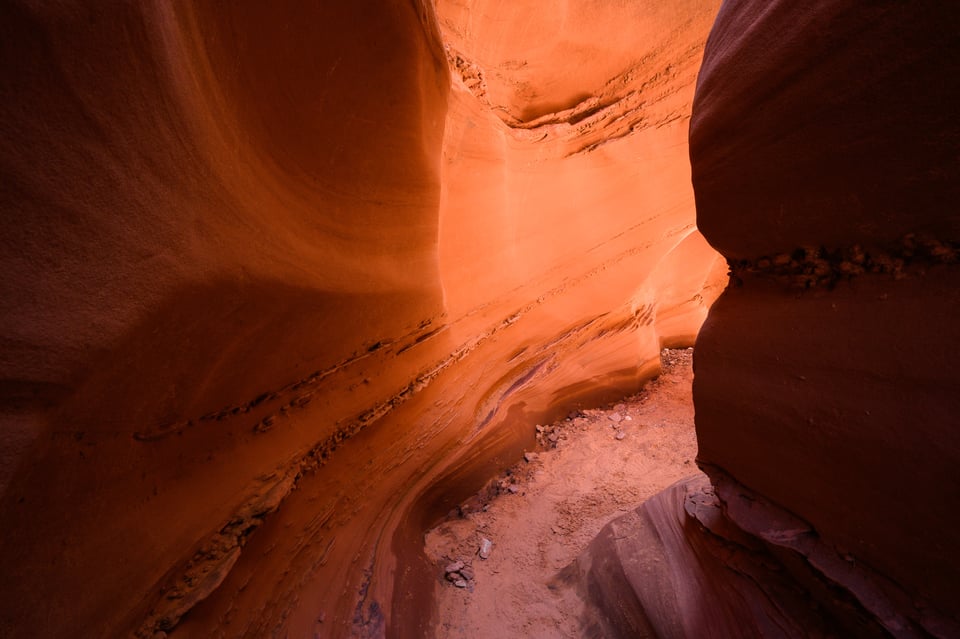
point(460, 573)
point(548, 435)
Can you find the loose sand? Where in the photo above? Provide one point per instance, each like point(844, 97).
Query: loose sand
point(542, 513)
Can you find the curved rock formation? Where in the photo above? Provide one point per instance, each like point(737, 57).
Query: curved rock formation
point(676, 567)
point(284, 283)
point(826, 160)
point(839, 149)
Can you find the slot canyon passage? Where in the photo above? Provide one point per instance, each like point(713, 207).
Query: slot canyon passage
point(286, 284)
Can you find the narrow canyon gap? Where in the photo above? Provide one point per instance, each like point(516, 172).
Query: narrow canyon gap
point(284, 283)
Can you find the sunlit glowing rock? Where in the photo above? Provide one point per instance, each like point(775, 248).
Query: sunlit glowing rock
point(278, 280)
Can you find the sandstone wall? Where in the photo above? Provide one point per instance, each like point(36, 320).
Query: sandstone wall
point(285, 282)
point(824, 146)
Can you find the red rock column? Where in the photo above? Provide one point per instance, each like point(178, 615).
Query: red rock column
point(826, 165)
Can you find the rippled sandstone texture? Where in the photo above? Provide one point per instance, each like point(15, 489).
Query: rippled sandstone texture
point(825, 153)
point(284, 282)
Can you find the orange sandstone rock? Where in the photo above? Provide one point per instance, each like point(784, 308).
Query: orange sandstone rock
point(281, 282)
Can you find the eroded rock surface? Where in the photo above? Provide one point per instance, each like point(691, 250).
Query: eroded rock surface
point(279, 280)
point(681, 566)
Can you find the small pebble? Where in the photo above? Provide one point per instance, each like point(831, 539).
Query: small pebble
point(460, 583)
point(620, 435)
point(530, 457)
point(485, 547)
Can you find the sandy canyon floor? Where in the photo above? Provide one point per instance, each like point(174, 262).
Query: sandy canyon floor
point(593, 467)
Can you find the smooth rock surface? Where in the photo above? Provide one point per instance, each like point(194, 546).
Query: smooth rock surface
point(679, 567)
point(827, 123)
point(826, 160)
point(279, 281)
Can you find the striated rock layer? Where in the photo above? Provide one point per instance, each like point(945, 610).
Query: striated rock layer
point(283, 283)
point(826, 165)
point(678, 566)
point(837, 397)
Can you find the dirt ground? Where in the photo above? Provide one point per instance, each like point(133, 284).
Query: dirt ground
point(591, 468)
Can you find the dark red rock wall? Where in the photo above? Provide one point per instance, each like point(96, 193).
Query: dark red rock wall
point(826, 164)
point(829, 122)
